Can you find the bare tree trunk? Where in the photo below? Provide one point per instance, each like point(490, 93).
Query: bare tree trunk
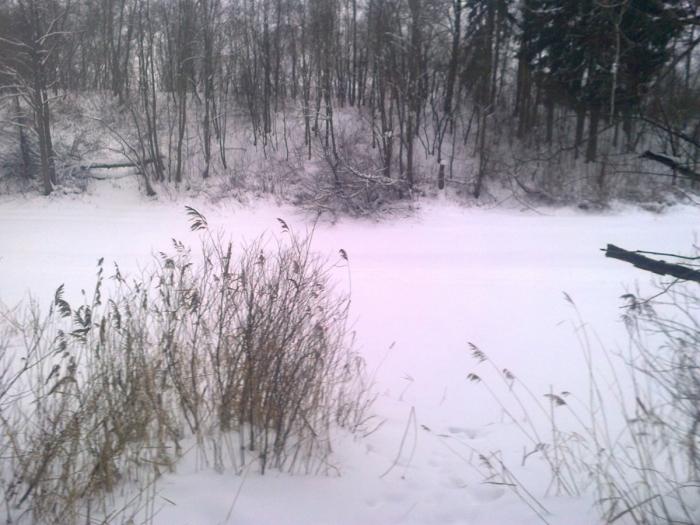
point(483, 156)
point(208, 9)
point(24, 148)
point(42, 115)
point(267, 59)
point(549, 105)
point(580, 123)
point(147, 89)
point(387, 128)
point(454, 57)
point(353, 77)
point(592, 147)
point(278, 53)
point(413, 98)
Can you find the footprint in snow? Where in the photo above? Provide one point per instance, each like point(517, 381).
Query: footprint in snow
point(471, 433)
point(486, 492)
point(394, 497)
point(457, 482)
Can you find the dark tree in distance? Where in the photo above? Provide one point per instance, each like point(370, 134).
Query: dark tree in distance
point(598, 57)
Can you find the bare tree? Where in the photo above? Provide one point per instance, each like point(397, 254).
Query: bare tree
point(32, 42)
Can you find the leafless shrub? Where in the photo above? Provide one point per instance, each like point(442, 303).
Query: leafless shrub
point(349, 180)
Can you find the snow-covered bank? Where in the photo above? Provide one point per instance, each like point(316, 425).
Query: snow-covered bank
point(422, 288)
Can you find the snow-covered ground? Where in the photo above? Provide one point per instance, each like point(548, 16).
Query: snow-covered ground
point(423, 287)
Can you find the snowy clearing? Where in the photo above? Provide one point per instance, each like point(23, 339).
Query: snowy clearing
point(422, 287)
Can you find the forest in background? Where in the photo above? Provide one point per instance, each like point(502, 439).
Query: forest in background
point(350, 104)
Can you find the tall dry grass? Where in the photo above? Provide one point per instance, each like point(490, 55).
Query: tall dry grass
point(631, 441)
point(242, 350)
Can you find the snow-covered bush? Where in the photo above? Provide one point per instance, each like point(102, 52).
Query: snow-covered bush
point(349, 177)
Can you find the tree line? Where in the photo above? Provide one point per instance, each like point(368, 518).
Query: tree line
point(437, 79)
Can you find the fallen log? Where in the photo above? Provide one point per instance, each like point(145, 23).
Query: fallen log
point(652, 265)
point(671, 163)
point(112, 165)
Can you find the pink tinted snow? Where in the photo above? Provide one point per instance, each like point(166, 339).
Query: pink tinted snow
point(429, 284)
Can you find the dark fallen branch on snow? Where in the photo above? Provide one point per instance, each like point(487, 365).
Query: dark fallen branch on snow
point(652, 265)
point(671, 163)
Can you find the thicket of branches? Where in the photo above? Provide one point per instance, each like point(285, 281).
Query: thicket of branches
point(552, 97)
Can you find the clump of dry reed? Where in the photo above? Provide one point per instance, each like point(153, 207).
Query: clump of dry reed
point(243, 350)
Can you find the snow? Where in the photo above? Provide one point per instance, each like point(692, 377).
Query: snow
point(423, 287)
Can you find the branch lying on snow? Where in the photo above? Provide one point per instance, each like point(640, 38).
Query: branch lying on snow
point(110, 177)
point(652, 265)
point(671, 163)
point(376, 179)
point(112, 165)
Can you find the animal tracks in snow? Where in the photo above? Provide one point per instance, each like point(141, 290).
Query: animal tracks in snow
point(471, 433)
